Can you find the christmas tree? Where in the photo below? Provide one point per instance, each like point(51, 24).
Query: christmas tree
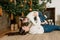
point(18, 7)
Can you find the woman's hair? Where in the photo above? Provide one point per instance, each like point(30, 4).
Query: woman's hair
point(35, 18)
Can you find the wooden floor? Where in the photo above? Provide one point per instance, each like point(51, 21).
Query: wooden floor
point(3, 32)
point(46, 36)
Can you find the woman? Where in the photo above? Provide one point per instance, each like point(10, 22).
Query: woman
point(36, 27)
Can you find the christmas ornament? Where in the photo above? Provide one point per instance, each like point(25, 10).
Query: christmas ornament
point(11, 0)
point(25, 1)
point(22, 5)
point(30, 9)
point(0, 11)
point(29, 3)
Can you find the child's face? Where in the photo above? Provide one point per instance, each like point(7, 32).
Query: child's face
point(25, 28)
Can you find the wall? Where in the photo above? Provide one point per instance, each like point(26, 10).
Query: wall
point(3, 22)
point(55, 3)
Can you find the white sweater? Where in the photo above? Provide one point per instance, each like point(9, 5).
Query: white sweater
point(36, 28)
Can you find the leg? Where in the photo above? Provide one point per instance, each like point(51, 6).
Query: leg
point(12, 27)
point(16, 27)
point(42, 18)
point(50, 28)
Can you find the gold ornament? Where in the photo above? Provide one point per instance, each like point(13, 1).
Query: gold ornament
point(22, 5)
point(25, 1)
point(30, 9)
point(0, 11)
point(29, 3)
point(11, 0)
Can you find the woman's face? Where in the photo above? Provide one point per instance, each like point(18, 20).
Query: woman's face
point(35, 14)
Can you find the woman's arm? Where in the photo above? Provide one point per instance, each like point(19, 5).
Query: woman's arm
point(38, 21)
point(32, 20)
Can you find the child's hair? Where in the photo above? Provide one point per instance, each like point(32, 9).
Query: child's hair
point(21, 31)
point(24, 22)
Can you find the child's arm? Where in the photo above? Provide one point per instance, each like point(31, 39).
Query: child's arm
point(29, 25)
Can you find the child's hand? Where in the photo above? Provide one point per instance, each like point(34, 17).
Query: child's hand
point(25, 28)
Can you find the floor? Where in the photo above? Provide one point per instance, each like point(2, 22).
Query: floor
point(55, 35)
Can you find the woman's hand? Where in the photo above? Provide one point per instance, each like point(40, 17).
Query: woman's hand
point(45, 22)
